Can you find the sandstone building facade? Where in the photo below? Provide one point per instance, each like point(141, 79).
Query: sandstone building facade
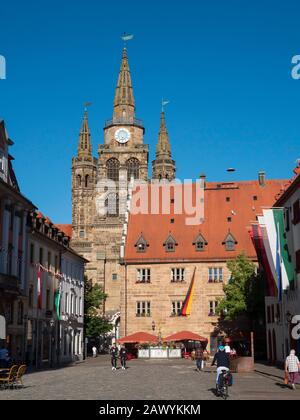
point(162, 251)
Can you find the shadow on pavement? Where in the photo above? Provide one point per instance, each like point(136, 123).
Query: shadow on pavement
point(282, 386)
point(213, 391)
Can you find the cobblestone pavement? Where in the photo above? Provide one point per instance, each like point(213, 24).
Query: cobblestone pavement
point(149, 380)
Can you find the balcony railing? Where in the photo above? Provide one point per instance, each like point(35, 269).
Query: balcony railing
point(124, 121)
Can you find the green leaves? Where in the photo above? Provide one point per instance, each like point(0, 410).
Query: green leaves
point(96, 326)
point(242, 291)
point(94, 299)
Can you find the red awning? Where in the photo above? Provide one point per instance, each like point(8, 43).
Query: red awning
point(185, 336)
point(139, 337)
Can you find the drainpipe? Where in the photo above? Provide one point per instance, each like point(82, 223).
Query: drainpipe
point(125, 330)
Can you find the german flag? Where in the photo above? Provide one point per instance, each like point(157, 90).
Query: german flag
point(186, 307)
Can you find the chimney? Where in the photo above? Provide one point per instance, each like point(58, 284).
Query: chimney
point(262, 178)
point(203, 179)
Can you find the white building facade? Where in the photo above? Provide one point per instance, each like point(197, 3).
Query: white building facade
point(281, 316)
point(54, 332)
point(72, 307)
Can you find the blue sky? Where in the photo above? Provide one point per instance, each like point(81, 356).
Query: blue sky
point(225, 66)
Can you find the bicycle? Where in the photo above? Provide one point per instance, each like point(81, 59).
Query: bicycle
point(223, 384)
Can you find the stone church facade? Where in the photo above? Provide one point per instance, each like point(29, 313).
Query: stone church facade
point(145, 261)
point(102, 184)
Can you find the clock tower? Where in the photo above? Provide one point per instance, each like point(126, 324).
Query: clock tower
point(123, 155)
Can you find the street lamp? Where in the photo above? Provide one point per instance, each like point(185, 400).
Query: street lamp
point(289, 317)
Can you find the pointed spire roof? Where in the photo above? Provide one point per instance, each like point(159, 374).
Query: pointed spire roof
point(163, 145)
point(124, 104)
point(85, 145)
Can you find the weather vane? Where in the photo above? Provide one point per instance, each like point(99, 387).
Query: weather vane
point(86, 105)
point(126, 37)
point(163, 104)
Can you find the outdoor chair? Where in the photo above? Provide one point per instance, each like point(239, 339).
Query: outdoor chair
point(19, 377)
point(9, 378)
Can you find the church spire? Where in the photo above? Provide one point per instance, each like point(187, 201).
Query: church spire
point(163, 167)
point(124, 104)
point(163, 145)
point(84, 144)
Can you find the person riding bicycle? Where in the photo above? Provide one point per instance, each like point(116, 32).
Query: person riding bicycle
point(222, 360)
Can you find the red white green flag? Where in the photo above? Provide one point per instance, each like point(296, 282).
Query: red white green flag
point(39, 289)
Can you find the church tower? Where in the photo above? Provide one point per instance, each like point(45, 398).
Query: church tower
point(84, 174)
point(123, 156)
point(163, 167)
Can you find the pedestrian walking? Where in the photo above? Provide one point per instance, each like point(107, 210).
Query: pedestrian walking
point(114, 357)
point(227, 348)
point(292, 367)
point(4, 358)
point(205, 358)
point(94, 349)
point(123, 355)
point(199, 358)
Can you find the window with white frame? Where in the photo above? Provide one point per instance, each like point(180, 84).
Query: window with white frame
point(75, 305)
point(143, 308)
point(213, 304)
point(215, 274)
point(143, 275)
point(80, 310)
point(66, 303)
point(177, 275)
point(177, 307)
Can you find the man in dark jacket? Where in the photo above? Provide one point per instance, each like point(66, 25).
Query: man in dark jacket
point(123, 354)
point(222, 360)
point(114, 356)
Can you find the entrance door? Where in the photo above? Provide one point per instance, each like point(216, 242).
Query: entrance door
point(270, 352)
point(274, 347)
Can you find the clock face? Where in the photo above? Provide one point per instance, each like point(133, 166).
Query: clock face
point(122, 135)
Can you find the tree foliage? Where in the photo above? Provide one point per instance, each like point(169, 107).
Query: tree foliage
point(244, 294)
point(94, 299)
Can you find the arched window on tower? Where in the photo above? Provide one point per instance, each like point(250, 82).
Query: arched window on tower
point(87, 180)
point(113, 168)
point(112, 205)
point(133, 169)
point(78, 180)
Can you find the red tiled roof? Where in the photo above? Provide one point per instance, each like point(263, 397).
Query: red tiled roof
point(66, 229)
point(289, 187)
point(139, 337)
point(41, 216)
point(185, 336)
point(242, 209)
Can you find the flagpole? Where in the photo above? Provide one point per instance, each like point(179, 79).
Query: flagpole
point(37, 325)
point(281, 291)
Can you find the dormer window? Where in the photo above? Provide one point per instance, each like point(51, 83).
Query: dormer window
point(141, 248)
point(230, 242)
point(170, 244)
point(200, 243)
point(141, 245)
point(170, 247)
